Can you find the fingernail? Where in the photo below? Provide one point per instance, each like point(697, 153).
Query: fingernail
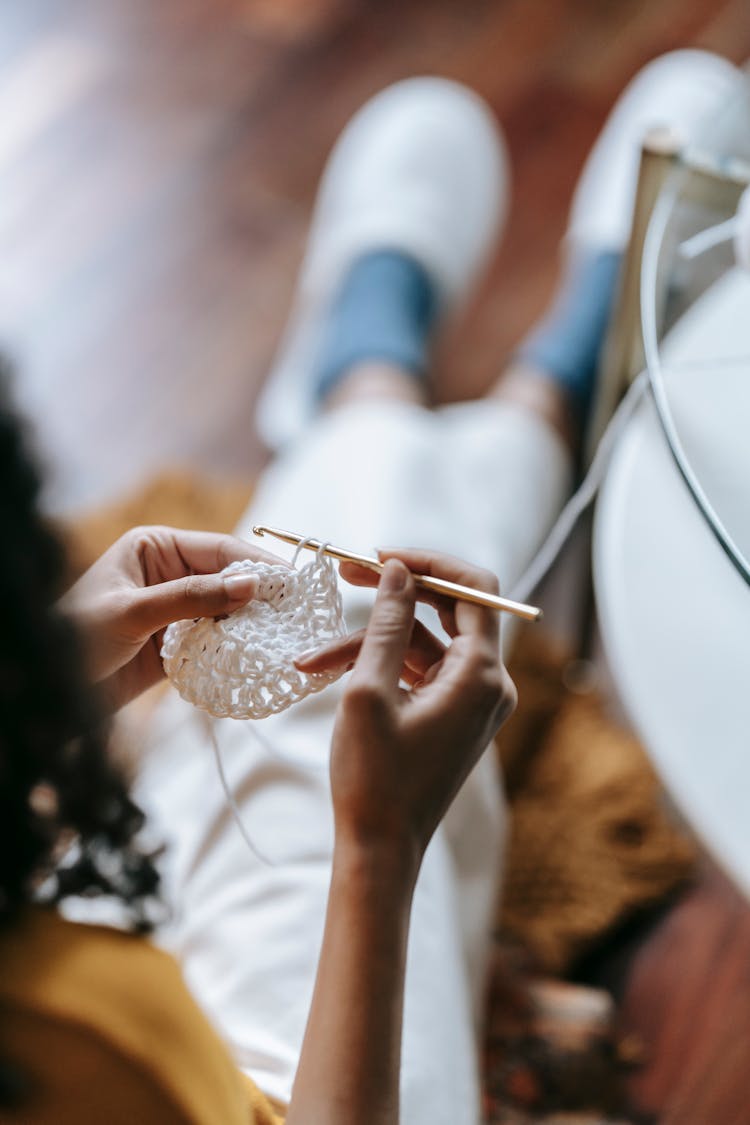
point(394, 576)
point(241, 587)
point(306, 657)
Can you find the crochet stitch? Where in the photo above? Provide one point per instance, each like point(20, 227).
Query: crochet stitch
point(242, 666)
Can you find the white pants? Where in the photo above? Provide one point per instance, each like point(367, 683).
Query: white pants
point(483, 481)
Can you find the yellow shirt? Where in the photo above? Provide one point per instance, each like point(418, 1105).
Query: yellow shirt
point(103, 1031)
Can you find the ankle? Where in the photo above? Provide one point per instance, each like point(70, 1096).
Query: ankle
point(537, 391)
point(566, 343)
point(373, 380)
point(382, 318)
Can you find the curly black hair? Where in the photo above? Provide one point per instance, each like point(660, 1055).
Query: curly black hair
point(67, 823)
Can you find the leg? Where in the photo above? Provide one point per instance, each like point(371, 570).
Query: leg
point(248, 935)
point(369, 468)
point(684, 91)
point(376, 382)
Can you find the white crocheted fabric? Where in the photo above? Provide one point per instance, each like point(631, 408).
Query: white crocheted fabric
point(241, 666)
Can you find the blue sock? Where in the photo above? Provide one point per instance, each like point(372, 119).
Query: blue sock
point(384, 310)
point(568, 341)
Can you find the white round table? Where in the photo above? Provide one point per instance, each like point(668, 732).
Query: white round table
point(674, 613)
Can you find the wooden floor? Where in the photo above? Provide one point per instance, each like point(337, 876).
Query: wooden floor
point(158, 161)
point(683, 983)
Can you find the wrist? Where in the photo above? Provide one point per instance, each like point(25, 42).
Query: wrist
point(385, 867)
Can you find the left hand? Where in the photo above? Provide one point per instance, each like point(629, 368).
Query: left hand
point(149, 578)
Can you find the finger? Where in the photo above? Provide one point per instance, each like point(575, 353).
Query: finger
point(362, 576)
point(470, 618)
point(330, 657)
point(411, 677)
point(424, 650)
point(169, 552)
point(470, 677)
point(420, 561)
point(388, 632)
point(446, 606)
point(202, 595)
point(357, 575)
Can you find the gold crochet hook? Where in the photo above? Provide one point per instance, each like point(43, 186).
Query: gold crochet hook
point(426, 581)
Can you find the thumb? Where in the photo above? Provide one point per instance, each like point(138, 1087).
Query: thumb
point(197, 595)
point(389, 630)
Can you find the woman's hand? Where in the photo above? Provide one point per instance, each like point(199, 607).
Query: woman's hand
point(150, 577)
point(399, 757)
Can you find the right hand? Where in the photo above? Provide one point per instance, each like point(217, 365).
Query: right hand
point(399, 757)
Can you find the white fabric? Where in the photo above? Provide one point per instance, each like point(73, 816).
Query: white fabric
point(242, 666)
point(483, 481)
point(673, 611)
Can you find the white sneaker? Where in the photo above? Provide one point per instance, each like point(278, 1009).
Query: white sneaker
point(421, 168)
point(682, 91)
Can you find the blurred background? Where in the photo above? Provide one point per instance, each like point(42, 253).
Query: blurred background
point(158, 163)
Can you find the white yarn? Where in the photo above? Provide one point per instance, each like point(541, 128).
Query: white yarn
point(242, 666)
